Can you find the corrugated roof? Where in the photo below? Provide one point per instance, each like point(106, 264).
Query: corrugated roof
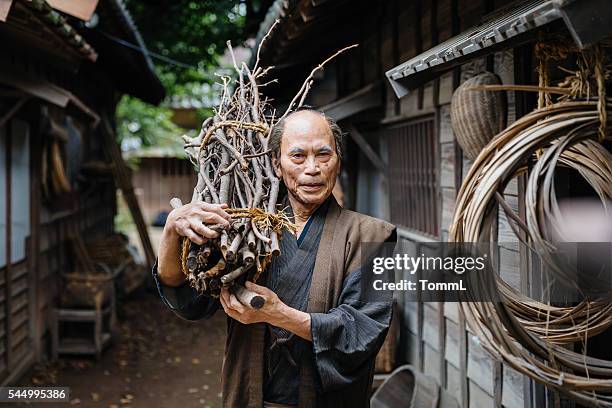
point(468, 44)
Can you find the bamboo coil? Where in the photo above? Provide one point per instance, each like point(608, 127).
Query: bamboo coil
point(528, 335)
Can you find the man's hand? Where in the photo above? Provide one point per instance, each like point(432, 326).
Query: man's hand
point(189, 221)
point(236, 310)
point(186, 221)
point(274, 311)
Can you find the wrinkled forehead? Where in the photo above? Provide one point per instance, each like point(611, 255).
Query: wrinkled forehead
point(306, 129)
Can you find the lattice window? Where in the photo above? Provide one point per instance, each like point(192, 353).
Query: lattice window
point(413, 175)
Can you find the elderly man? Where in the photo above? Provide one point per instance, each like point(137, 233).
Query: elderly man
point(314, 342)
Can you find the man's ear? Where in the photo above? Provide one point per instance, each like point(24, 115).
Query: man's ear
point(277, 168)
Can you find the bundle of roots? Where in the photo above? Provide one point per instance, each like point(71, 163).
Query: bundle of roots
point(234, 166)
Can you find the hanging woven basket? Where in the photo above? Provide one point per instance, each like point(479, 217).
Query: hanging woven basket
point(477, 115)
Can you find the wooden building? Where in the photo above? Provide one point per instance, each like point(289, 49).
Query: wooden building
point(62, 71)
point(161, 174)
point(402, 161)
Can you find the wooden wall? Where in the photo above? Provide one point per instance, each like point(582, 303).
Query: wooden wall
point(158, 180)
point(35, 281)
point(435, 336)
point(29, 290)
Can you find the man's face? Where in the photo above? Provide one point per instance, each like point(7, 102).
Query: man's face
point(308, 161)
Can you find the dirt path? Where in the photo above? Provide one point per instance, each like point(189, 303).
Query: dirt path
point(158, 360)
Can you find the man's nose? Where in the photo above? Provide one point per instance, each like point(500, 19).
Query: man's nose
point(312, 166)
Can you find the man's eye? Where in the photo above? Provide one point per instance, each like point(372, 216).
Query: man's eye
point(298, 156)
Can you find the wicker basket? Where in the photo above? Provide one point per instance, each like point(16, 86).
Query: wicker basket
point(476, 115)
point(86, 290)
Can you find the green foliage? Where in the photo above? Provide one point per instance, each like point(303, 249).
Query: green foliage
point(193, 33)
point(150, 124)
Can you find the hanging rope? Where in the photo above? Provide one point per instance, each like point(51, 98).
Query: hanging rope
point(600, 76)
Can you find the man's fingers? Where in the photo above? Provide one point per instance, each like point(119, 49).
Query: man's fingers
point(204, 230)
point(262, 290)
point(181, 226)
point(193, 237)
point(213, 218)
point(232, 312)
point(224, 304)
point(215, 208)
point(225, 295)
point(235, 304)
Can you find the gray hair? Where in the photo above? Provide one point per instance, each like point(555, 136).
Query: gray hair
point(276, 134)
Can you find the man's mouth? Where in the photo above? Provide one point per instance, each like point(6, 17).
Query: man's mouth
point(311, 186)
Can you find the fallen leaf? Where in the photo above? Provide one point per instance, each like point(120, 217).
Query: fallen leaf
point(95, 396)
point(195, 360)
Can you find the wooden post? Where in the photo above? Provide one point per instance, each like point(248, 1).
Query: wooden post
point(7, 271)
point(34, 242)
point(367, 149)
point(124, 182)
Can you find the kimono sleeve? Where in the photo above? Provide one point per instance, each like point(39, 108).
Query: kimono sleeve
point(184, 300)
point(345, 340)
